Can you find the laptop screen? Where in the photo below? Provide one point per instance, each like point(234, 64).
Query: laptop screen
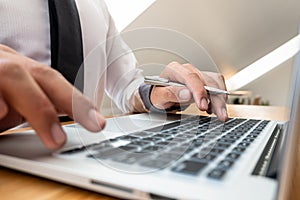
point(289, 156)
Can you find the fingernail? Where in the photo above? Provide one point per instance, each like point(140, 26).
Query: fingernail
point(204, 103)
point(58, 134)
point(96, 120)
point(184, 94)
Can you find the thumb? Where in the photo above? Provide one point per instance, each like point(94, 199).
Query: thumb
point(170, 94)
point(184, 95)
point(165, 97)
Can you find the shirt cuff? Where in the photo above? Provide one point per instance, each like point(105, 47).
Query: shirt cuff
point(145, 91)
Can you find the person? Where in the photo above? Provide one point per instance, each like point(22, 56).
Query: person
point(32, 91)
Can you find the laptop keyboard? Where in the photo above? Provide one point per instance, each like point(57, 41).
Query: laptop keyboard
point(185, 147)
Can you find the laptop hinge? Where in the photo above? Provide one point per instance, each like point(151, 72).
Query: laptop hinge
point(268, 162)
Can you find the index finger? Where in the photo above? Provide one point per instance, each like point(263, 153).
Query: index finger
point(65, 97)
point(34, 105)
point(217, 101)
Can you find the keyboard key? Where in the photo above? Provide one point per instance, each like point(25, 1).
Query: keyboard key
point(107, 153)
point(253, 136)
point(151, 149)
point(203, 157)
point(213, 150)
point(226, 140)
point(185, 136)
point(221, 145)
point(198, 142)
point(216, 174)
point(233, 155)
point(101, 145)
point(174, 142)
point(239, 149)
point(161, 136)
point(151, 139)
point(165, 135)
point(164, 144)
point(236, 133)
point(249, 140)
point(172, 155)
point(178, 140)
point(179, 149)
point(156, 163)
point(225, 164)
point(256, 132)
point(243, 144)
point(130, 158)
point(140, 143)
point(209, 137)
point(233, 137)
point(259, 128)
point(191, 131)
point(189, 167)
point(100, 148)
point(128, 148)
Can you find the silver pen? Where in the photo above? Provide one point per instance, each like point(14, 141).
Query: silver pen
point(156, 80)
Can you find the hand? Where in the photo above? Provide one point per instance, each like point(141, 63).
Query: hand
point(36, 93)
point(166, 97)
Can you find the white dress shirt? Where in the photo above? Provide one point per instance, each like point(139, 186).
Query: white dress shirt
point(109, 65)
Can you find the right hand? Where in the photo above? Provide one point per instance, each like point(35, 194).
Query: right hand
point(194, 81)
point(34, 92)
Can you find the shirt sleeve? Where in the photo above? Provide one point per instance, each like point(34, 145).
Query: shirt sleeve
point(123, 77)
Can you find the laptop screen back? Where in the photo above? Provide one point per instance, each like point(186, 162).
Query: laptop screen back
point(289, 156)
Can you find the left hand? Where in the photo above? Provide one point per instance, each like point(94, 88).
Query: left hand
point(166, 97)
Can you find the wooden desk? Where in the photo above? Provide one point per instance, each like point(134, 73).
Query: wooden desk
point(17, 185)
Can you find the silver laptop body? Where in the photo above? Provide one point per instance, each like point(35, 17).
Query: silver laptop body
point(150, 156)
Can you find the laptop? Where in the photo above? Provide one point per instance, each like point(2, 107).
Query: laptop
point(169, 156)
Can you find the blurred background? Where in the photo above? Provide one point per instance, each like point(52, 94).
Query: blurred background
point(234, 33)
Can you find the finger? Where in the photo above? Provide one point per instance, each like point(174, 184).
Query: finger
point(165, 97)
point(192, 79)
point(7, 49)
point(68, 99)
point(34, 105)
point(218, 103)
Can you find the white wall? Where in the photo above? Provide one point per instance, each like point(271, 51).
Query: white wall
point(125, 11)
point(234, 32)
